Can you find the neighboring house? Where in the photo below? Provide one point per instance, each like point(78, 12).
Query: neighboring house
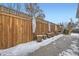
point(76, 26)
point(77, 16)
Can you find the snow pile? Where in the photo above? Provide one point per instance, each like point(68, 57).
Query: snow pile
point(75, 34)
point(74, 46)
point(68, 52)
point(75, 42)
point(26, 48)
point(73, 51)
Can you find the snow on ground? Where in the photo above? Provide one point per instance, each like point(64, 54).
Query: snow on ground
point(50, 40)
point(73, 50)
point(70, 52)
point(75, 34)
point(26, 48)
point(54, 43)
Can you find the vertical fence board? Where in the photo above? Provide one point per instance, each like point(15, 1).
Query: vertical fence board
point(10, 42)
point(30, 32)
point(4, 31)
point(1, 32)
point(14, 31)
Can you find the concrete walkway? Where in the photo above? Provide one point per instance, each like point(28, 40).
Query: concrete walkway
point(54, 48)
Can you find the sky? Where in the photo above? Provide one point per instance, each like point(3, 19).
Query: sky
point(59, 12)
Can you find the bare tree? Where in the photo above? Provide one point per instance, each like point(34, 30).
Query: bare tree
point(41, 14)
point(1, 4)
point(27, 9)
point(18, 6)
point(33, 11)
point(11, 6)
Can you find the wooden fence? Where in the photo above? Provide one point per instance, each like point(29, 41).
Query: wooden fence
point(16, 27)
point(42, 26)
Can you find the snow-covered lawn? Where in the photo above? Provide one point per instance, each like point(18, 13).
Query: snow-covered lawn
point(74, 49)
point(26, 48)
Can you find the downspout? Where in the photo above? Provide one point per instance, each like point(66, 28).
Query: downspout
point(34, 27)
point(49, 29)
point(33, 24)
